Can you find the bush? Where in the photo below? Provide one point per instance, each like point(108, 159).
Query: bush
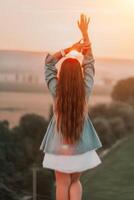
point(123, 90)
point(98, 110)
point(131, 102)
point(115, 109)
point(118, 127)
point(32, 125)
point(124, 111)
point(104, 131)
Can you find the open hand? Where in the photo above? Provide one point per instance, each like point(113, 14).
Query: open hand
point(83, 24)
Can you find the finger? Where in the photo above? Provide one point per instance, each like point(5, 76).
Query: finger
point(86, 46)
point(88, 20)
point(82, 15)
point(85, 19)
point(86, 43)
point(81, 41)
point(78, 24)
point(82, 18)
point(85, 49)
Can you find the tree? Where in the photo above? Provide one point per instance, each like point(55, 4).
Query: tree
point(32, 128)
point(123, 90)
point(19, 149)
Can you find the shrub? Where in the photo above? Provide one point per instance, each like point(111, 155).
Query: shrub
point(123, 110)
point(104, 131)
point(115, 109)
point(100, 109)
point(123, 90)
point(118, 127)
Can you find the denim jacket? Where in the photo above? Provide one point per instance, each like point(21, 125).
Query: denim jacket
point(52, 142)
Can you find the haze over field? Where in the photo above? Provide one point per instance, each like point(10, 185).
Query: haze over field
point(19, 61)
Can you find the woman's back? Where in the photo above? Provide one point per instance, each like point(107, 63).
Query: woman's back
point(53, 142)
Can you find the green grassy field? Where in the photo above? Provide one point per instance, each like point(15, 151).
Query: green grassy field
point(114, 178)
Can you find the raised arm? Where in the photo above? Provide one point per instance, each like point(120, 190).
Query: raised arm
point(50, 69)
point(88, 59)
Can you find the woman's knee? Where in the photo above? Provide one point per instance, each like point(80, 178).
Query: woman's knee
point(63, 178)
point(75, 176)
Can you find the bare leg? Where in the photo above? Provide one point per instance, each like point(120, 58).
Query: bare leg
point(75, 189)
point(63, 181)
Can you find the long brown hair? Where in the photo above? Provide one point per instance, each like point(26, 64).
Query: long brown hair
point(70, 101)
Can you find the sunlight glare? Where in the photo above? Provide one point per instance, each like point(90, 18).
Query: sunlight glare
point(129, 4)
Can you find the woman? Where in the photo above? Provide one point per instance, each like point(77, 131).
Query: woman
point(70, 141)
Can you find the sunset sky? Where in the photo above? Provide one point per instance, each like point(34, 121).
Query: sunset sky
point(49, 25)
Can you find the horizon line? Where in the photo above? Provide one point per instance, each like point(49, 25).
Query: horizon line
point(39, 51)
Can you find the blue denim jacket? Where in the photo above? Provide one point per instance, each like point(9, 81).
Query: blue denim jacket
point(52, 141)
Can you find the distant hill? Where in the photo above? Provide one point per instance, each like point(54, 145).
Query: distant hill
point(21, 61)
point(114, 68)
point(34, 61)
point(108, 71)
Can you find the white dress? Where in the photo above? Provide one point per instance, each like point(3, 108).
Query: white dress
point(71, 163)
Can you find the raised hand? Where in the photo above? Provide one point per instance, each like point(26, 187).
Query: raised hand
point(83, 23)
point(86, 48)
point(83, 26)
point(82, 47)
point(77, 46)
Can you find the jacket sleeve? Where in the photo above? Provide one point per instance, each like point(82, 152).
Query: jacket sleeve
point(50, 72)
point(88, 71)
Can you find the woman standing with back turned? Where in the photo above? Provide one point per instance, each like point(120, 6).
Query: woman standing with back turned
point(71, 141)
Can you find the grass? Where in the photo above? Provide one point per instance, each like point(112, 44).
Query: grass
point(114, 178)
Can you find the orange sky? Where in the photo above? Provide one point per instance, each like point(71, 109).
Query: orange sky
point(44, 25)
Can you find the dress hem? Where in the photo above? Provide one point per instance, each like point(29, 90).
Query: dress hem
point(80, 162)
